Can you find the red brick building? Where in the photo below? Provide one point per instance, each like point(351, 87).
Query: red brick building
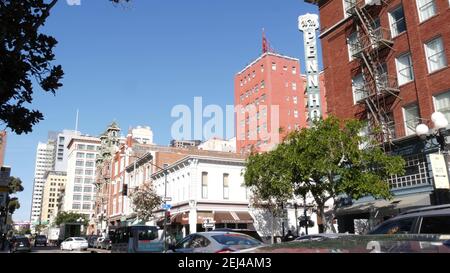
point(387, 62)
point(269, 95)
point(411, 45)
point(2, 147)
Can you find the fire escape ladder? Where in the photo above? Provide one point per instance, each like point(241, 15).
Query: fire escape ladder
point(378, 84)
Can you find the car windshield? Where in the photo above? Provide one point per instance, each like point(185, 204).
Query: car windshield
point(80, 239)
point(235, 239)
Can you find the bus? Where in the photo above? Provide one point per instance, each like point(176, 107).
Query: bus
point(136, 239)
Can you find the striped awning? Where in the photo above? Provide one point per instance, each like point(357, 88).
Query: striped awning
point(232, 217)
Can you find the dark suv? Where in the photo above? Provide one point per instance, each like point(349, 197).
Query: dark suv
point(428, 220)
point(40, 240)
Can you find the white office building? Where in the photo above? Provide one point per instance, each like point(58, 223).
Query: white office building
point(44, 162)
point(61, 152)
point(79, 191)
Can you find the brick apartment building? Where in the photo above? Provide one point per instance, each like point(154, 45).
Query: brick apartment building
point(387, 62)
point(2, 147)
point(269, 85)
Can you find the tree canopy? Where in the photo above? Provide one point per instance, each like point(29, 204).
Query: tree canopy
point(64, 217)
point(26, 56)
point(330, 159)
point(144, 200)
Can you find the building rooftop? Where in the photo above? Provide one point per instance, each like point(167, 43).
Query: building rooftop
point(264, 55)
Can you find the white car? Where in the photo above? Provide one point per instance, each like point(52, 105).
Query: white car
point(72, 243)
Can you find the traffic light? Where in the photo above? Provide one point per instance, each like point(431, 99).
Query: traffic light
point(125, 190)
point(306, 221)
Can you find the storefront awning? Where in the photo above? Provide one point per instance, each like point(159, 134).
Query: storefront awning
point(397, 203)
point(232, 217)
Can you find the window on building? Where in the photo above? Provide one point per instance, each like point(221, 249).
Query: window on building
point(285, 68)
point(80, 163)
point(86, 206)
point(79, 171)
point(263, 85)
point(411, 117)
point(81, 147)
point(426, 9)
point(76, 206)
point(80, 155)
point(89, 172)
point(294, 70)
point(397, 21)
point(90, 164)
point(295, 100)
point(78, 180)
point(262, 68)
point(348, 4)
point(435, 54)
point(90, 156)
point(87, 189)
point(274, 66)
point(226, 186)
point(77, 197)
point(90, 147)
point(358, 87)
point(352, 43)
point(442, 104)
point(204, 185)
point(86, 198)
point(405, 72)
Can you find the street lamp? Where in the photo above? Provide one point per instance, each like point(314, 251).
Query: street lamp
point(439, 132)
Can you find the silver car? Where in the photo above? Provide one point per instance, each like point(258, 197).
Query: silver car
point(214, 242)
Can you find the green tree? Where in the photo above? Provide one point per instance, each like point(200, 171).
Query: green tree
point(270, 184)
point(144, 200)
point(15, 186)
point(70, 218)
point(26, 54)
point(333, 158)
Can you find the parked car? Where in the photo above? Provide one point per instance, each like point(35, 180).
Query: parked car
point(320, 236)
point(74, 243)
point(214, 242)
point(106, 244)
point(91, 240)
point(40, 240)
point(252, 233)
point(362, 244)
point(98, 242)
point(20, 244)
point(427, 220)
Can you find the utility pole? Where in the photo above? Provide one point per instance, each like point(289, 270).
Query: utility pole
point(305, 214)
point(165, 210)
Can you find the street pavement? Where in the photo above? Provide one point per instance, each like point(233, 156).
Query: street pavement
point(51, 249)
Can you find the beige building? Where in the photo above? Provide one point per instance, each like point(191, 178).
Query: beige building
point(55, 182)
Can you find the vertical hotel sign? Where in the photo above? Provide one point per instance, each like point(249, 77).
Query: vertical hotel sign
point(309, 24)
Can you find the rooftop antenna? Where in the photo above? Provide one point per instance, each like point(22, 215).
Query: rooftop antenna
point(265, 43)
point(76, 121)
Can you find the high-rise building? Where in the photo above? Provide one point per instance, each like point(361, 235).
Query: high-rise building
point(81, 164)
point(44, 163)
point(61, 152)
point(270, 96)
point(54, 183)
point(386, 62)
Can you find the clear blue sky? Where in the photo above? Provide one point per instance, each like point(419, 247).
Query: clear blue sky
point(133, 63)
